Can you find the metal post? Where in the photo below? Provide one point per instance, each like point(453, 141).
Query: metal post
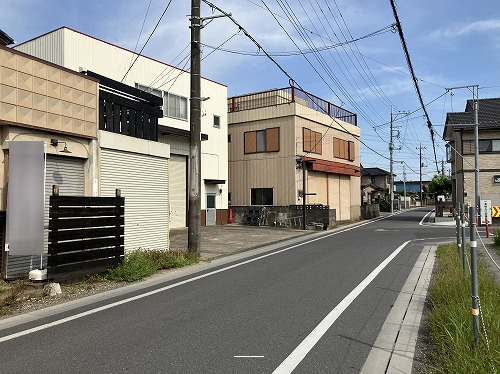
point(462, 226)
point(457, 221)
point(194, 222)
point(474, 283)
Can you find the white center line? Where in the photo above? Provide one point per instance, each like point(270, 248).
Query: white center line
point(133, 298)
point(298, 354)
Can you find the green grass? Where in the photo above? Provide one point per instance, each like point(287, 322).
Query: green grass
point(496, 239)
point(450, 318)
point(142, 263)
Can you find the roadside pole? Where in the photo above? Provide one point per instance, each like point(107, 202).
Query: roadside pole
point(474, 283)
point(462, 224)
point(457, 226)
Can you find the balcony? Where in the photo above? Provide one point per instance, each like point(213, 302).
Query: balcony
point(286, 96)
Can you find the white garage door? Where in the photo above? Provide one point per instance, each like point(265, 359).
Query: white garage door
point(143, 181)
point(67, 172)
point(178, 190)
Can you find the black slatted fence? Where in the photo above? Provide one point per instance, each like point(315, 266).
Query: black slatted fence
point(86, 234)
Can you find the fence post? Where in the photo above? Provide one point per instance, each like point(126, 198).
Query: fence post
point(462, 224)
point(474, 285)
point(457, 225)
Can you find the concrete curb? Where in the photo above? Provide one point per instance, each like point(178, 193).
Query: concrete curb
point(394, 348)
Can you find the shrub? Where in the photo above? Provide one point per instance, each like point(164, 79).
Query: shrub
point(142, 263)
point(385, 206)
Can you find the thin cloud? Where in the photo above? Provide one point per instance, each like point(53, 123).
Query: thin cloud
point(478, 27)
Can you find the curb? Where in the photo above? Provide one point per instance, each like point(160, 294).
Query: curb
point(394, 348)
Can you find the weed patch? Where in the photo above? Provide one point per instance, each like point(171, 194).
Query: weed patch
point(142, 263)
point(450, 318)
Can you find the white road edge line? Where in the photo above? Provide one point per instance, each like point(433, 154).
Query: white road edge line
point(124, 301)
point(424, 217)
point(299, 353)
point(248, 356)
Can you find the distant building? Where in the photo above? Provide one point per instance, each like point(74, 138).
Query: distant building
point(375, 184)
point(271, 132)
point(459, 133)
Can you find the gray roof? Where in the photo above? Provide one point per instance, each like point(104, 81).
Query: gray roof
point(5, 39)
point(488, 116)
point(373, 172)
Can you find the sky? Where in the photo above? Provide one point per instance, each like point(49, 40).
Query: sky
point(343, 51)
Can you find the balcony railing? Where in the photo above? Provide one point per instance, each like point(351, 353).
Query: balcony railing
point(285, 96)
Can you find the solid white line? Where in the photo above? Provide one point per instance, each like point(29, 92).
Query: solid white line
point(248, 356)
point(124, 301)
point(422, 220)
point(298, 354)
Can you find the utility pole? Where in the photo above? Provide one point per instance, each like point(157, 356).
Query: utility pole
point(391, 176)
point(475, 101)
point(421, 187)
point(404, 183)
point(194, 219)
point(476, 153)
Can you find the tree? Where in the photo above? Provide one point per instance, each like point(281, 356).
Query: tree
point(440, 185)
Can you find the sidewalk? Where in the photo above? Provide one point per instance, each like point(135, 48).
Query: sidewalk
point(224, 240)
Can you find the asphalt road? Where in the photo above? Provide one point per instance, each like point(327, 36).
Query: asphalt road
point(316, 306)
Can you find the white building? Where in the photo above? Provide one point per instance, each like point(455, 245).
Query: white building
point(77, 51)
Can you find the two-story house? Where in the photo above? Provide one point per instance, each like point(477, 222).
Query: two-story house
point(375, 184)
point(270, 133)
point(80, 52)
point(459, 133)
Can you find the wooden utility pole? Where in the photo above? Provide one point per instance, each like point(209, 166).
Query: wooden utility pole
point(194, 220)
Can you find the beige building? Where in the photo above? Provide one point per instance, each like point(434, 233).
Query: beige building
point(459, 133)
point(271, 132)
point(40, 101)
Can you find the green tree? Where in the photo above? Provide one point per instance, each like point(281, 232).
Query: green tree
point(440, 185)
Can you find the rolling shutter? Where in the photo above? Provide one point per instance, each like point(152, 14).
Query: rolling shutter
point(178, 190)
point(143, 180)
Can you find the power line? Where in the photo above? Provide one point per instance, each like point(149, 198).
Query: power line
point(147, 41)
point(414, 78)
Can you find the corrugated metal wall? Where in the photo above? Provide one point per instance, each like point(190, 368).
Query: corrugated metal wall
point(178, 190)
point(67, 172)
point(143, 181)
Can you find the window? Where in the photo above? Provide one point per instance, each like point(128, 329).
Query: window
point(261, 196)
point(217, 122)
point(485, 146)
point(312, 141)
point(229, 138)
point(148, 89)
point(267, 140)
point(343, 149)
point(175, 106)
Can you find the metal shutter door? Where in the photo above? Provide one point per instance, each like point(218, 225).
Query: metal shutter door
point(178, 190)
point(143, 181)
point(67, 172)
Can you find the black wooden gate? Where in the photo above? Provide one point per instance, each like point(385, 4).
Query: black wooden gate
point(86, 235)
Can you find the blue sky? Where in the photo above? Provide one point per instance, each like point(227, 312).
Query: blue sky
point(451, 43)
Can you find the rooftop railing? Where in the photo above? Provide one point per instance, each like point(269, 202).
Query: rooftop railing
point(289, 95)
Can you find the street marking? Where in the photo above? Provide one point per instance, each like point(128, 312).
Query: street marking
point(299, 353)
point(248, 356)
point(138, 297)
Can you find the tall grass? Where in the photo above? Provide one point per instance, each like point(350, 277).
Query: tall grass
point(142, 263)
point(450, 318)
